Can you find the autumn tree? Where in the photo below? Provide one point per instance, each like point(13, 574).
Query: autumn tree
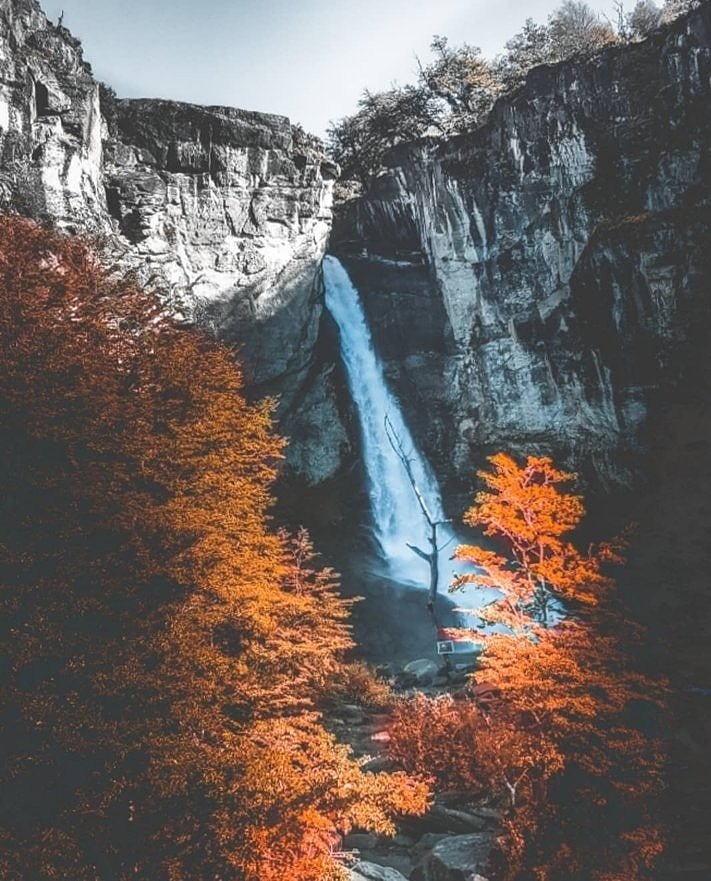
point(464, 82)
point(576, 29)
point(528, 48)
point(164, 651)
point(316, 608)
point(464, 744)
point(577, 683)
point(457, 87)
point(672, 9)
point(645, 17)
point(454, 92)
point(528, 511)
point(562, 719)
point(383, 120)
point(300, 791)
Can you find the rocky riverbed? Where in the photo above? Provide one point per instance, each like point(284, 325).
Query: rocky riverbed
point(453, 841)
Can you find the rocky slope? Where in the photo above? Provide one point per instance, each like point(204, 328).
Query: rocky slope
point(531, 283)
point(226, 212)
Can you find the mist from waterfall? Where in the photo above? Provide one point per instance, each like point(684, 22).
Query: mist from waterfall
point(397, 518)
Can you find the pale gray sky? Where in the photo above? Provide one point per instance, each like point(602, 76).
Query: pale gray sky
point(307, 59)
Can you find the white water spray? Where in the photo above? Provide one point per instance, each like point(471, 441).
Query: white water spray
point(397, 518)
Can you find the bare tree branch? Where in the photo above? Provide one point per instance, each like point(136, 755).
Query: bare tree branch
point(419, 552)
point(431, 557)
point(396, 444)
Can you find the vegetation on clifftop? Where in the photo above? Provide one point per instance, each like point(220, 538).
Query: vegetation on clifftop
point(455, 91)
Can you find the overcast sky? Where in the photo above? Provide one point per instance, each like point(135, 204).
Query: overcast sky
point(307, 59)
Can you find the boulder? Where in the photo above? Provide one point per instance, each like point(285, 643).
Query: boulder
point(372, 872)
point(360, 841)
point(459, 858)
point(429, 840)
point(423, 671)
point(441, 818)
point(492, 816)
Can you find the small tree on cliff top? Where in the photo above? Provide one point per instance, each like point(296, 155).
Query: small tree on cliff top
point(463, 81)
point(577, 29)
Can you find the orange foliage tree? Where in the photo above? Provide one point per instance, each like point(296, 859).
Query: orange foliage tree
point(563, 719)
point(163, 651)
point(527, 509)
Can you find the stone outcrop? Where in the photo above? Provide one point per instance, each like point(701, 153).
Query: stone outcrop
point(364, 871)
point(531, 283)
point(50, 123)
point(226, 212)
point(461, 858)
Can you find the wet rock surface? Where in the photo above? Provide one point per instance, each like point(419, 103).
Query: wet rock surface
point(459, 858)
point(421, 672)
point(374, 872)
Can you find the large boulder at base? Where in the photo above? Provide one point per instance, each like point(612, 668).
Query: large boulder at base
point(459, 858)
point(371, 872)
point(360, 840)
point(444, 819)
point(423, 671)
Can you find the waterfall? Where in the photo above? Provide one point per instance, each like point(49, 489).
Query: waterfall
point(397, 518)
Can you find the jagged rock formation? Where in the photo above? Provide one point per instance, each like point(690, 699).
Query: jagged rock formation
point(50, 123)
point(227, 212)
point(549, 260)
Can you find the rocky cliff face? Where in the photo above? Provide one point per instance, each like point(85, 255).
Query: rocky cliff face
point(551, 259)
point(533, 284)
point(50, 122)
point(226, 212)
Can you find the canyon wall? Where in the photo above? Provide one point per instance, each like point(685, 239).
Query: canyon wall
point(226, 213)
point(534, 284)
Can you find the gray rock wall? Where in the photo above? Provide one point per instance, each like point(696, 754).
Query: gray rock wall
point(50, 123)
point(530, 284)
point(563, 242)
point(225, 212)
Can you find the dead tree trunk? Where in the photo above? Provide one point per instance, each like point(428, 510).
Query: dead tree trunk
point(431, 556)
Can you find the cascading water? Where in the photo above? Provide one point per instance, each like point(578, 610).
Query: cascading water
point(397, 519)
